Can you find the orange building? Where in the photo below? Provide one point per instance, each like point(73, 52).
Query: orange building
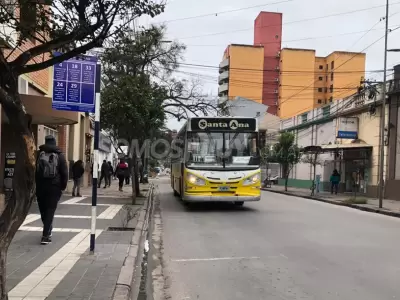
point(308, 81)
point(241, 73)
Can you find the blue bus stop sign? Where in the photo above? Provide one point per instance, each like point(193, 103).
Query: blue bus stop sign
point(74, 83)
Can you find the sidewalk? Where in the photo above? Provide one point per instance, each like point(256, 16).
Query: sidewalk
point(390, 207)
point(65, 269)
point(113, 190)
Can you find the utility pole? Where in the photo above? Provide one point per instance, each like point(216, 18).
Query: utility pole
point(383, 110)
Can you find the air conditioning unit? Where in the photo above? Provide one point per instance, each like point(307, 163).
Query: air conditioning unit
point(277, 79)
point(276, 92)
point(277, 68)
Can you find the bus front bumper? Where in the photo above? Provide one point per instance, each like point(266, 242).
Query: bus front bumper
point(205, 198)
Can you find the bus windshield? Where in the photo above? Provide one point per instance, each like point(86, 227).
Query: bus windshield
point(236, 150)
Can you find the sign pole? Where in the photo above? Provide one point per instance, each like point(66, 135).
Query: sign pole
point(95, 158)
point(383, 112)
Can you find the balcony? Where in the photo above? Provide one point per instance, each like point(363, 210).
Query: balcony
point(224, 65)
point(223, 76)
point(223, 88)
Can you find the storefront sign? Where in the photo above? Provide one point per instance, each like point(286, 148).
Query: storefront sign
point(347, 128)
point(9, 168)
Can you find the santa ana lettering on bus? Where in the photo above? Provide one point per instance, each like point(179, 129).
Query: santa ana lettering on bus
point(233, 124)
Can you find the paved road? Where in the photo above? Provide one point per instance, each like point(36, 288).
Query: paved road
point(280, 248)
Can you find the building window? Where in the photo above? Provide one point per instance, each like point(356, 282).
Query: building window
point(321, 67)
point(320, 78)
point(326, 111)
point(326, 89)
point(319, 101)
point(320, 90)
point(327, 66)
point(331, 88)
point(331, 99)
point(332, 65)
point(332, 76)
point(326, 78)
point(304, 118)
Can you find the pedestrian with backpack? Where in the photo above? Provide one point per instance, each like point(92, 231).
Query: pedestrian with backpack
point(51, 180)
point(120, 172)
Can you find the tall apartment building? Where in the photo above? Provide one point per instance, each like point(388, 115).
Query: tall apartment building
point(252, 71)
point(268, 33)
point(288, 81)
point(241, 73)
point(308, 81)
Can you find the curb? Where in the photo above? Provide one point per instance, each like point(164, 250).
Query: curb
point(354, 206)
point(123, 286)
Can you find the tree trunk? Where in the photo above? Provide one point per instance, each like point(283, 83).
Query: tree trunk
point(18, 201)
point(136, 178)
point(3, 261)
point(286, 172)
point(141, 169)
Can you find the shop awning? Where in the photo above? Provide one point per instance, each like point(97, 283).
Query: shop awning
point(334, 147)
point(39, 107)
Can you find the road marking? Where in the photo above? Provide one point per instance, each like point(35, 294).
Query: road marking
point(110, 212)
point(109, 196)
point(86, 204)
point(42, 281)
point(73, 200)
point(31, 218)
point(40, 229)
point(214, 258)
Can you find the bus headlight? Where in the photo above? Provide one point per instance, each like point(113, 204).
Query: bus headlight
point(193, 179)
point(252, 179)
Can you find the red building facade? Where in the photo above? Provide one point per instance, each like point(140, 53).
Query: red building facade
point(268, 33)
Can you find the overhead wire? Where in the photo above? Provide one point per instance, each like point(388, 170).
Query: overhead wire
point(222, 12)
point(292, 22)
point(297, 40)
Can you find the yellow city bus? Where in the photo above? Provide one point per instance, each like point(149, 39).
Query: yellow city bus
point(217, 159)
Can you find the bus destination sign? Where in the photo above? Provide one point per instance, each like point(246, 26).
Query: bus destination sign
point(222, 124)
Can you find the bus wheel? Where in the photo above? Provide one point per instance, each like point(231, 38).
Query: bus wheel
point(176, 194)
point(239, 203)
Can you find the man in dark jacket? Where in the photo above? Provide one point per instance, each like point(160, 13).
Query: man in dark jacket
point(104, 171)
point(51, 180)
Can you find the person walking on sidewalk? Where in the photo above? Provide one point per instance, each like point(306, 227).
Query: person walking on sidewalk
point(335, 179)
point(77, 173)
point(110, 173)
point(51, 181)
point(104, 173)
point(120, 172)
point(127, 174)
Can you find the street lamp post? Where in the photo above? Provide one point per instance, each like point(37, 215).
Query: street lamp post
point(383, 111)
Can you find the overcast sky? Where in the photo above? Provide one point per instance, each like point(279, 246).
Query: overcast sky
point(207, 37)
